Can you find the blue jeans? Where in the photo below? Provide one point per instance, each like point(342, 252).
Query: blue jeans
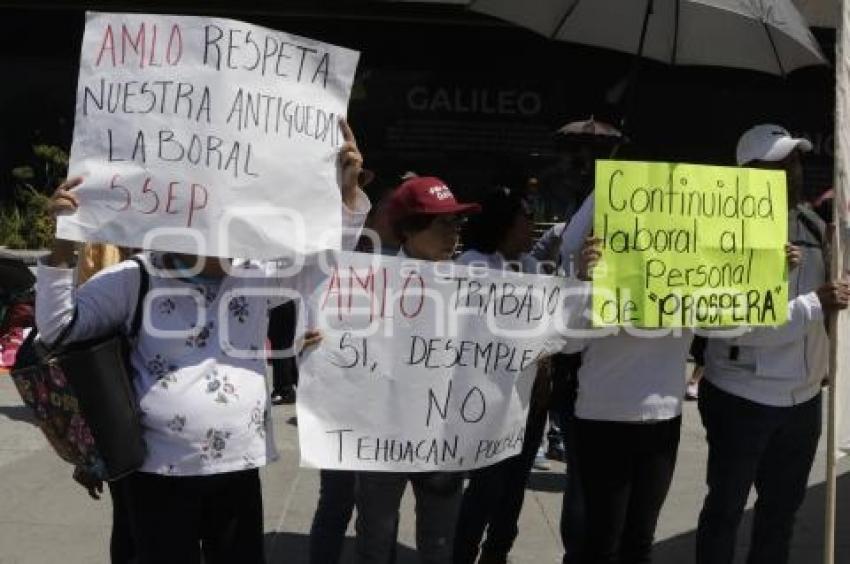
point(750, 444)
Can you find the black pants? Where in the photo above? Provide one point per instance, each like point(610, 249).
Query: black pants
point(337, 497)
point(333, 512)
point(752, 444)
point(572, 507)
point(494, 497)
point(281, 334)
point(565, 391)
point(626, 470)
point(562, 402)
point(174, 519)
point(378, 496)
point(121, 547)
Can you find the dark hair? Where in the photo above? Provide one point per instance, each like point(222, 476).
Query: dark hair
point(486, 231)
point(415, 223)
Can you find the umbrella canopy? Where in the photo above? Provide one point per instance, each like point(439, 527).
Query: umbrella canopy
point(763, 35)
point(591, 127)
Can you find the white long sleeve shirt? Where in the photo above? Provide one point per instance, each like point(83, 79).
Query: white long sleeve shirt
point(574, 234)
point(202, 395)
point(629, 378)
point(781, 366)
point(625, 377)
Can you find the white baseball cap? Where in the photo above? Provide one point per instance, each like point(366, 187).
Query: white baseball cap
point(768, 142)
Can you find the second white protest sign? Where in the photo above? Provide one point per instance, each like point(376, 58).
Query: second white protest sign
point(426, 366)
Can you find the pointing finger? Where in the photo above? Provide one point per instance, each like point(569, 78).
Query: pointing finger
point(347, 133)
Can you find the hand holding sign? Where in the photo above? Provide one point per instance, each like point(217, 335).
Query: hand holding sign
point(63, 202)
point(793, 255)
point(311, 338)
point(591, 254)
point(352, 164)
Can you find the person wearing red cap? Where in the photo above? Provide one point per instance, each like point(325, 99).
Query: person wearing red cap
point(426, 218)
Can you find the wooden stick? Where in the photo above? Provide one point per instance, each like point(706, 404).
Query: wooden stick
point(836, 272)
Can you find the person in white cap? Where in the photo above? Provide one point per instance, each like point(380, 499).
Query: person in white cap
point(760, 398)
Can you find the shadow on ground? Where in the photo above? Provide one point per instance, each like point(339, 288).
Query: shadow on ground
point(550, 482)
point(294, 548)
point(17, 413)
point(806, 546)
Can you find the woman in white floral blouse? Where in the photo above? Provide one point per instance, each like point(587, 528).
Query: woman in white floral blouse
point(203, 401)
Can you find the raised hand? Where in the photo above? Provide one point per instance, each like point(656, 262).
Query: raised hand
point(351, 163)
point(793, 255)
point(834, 295)
point(591, 252)
point(64, 201)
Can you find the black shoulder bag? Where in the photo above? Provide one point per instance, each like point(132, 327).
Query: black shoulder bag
point(82, 396)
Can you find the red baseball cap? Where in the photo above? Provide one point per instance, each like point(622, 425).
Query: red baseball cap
point(425, 195)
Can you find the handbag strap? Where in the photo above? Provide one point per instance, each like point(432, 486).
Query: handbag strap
point(43, 350)
point(144, 284)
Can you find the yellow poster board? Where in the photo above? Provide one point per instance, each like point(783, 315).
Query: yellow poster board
point(690, 245)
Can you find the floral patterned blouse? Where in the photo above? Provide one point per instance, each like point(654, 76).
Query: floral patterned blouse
point(199, 360)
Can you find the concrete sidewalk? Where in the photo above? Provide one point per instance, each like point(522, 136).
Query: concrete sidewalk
point(45, 517)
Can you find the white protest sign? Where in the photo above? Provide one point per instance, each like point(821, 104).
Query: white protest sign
point(207, 136)
point(426, 366)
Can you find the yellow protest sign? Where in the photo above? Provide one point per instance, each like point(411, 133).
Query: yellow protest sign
point(690, 245)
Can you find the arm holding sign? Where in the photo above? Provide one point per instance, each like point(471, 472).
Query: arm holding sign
point(355, 207)
point(351, 165)
point(802, 311)
point(588, 257)
point(63, 202)
point(576, 231)
point(355, 203)
point(104, 303)
point(547, 249)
